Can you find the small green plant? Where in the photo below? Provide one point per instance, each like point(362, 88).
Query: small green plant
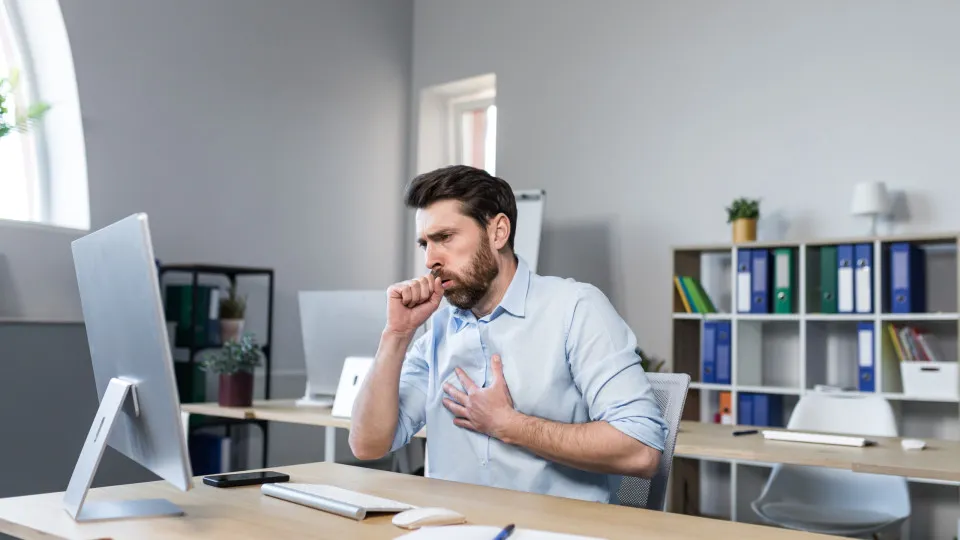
point(743, 208)
point(233, 306)
point(24, 119)
point(233, 357)
point(650, 364)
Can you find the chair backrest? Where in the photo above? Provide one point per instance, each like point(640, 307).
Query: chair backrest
point(670, 390)
point(837, 412)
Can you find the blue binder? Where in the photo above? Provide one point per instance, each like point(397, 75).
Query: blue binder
point(722, 354)
point(744, 298)
point(745, 409)
point(768, 410)
point(866, 358)
point(760, 276)
point(708, 353)
point(908, 291)
point(846, 294)
point(863, 278)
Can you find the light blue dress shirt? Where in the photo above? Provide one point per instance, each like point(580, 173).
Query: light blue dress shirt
point(567, 356)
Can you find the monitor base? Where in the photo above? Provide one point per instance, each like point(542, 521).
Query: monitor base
point(141, 508)
point(119, 398)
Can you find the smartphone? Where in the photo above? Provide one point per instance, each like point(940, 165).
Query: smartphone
point(245, 479)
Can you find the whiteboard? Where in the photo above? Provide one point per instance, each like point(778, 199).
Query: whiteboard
point(529, 227)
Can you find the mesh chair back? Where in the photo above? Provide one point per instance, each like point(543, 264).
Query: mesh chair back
point(670, 390)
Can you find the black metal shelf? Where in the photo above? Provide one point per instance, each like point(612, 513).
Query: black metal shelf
point(231, 273)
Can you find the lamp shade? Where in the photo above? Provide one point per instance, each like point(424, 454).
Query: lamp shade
point(870, 198)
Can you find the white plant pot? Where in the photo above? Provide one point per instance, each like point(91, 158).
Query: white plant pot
point(231, 329)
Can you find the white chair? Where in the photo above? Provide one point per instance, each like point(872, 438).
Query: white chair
point(670, 391)
point(836, 501)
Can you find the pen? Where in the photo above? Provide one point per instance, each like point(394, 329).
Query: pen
point(507, 531)
point(744, 432)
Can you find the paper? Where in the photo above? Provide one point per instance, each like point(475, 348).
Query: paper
point(484, 532)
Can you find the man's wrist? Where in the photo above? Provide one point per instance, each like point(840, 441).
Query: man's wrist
point(395, 341)
point(511, 430)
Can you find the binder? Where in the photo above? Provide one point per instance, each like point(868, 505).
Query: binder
point(768, 410)
point(828, 279)
point(908, 292)
point(863, 272)
point(708, 352)
point(866, 364)
point(845, 278)
point(745, 409)
point(760, 281)
point(722, 352)
point(743, 281)
point(784, 280)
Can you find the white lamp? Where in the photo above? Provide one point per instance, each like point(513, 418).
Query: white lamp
point(870, 199)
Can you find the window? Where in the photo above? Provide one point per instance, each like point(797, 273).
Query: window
point(43, 173)
point(19, 177)
point(475, 129)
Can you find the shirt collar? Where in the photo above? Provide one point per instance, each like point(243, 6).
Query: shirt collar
point(513, 302)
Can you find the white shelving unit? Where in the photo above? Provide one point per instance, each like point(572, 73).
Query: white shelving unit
point(789, 354)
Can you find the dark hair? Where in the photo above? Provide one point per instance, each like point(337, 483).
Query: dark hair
point(481, 194)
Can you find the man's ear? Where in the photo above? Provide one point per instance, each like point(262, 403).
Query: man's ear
point(499, 231)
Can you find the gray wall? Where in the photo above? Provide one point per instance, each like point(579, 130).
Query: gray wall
point(643, 120)
point(253, 133)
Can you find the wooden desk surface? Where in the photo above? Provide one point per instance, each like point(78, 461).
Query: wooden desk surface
point(239, 513)
point(940, 460)
point(276, 410)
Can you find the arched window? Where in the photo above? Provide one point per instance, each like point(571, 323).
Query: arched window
point(43, 174)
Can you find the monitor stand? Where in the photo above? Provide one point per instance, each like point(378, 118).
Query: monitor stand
point(120, 398)
point(314, 399)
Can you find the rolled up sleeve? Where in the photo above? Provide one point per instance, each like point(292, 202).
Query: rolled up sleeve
point(413, 394)
point(606, 368)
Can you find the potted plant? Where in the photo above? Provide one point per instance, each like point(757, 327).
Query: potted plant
point(23, 118)
point(744, 213)
point(650, 364)
point(234, 362)
point(232, 311)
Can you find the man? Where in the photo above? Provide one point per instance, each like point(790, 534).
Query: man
point(525, 382)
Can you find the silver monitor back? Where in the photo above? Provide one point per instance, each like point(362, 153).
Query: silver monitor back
point(334, 326)
point(139, 411)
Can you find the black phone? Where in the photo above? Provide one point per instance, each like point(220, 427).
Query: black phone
point(245, 479)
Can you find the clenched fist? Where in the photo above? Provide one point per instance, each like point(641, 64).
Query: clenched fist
point(410, 303)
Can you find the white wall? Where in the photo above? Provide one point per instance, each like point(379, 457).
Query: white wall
point(253, 133)
point(643, 120)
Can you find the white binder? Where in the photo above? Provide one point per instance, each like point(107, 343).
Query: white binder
point(355, 369)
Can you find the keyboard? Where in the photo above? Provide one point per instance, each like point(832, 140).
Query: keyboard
point(333, 499)
point(816, 438)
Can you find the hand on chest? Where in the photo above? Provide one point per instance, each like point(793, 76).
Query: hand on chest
point(532, 370)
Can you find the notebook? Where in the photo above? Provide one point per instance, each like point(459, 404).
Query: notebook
point(484, 532)
point(333, 499)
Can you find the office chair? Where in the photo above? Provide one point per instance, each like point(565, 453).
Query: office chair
point(670, 390)
point(836, 501)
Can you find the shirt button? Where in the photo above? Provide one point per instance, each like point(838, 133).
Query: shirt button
point(483, 462)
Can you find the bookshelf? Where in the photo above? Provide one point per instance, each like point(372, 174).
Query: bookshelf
point(788, 354)
point(190, 381)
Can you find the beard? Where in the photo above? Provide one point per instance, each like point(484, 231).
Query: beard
point(473, 286)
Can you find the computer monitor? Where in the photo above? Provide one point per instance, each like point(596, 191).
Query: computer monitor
point(336, 325)
point(139, 412)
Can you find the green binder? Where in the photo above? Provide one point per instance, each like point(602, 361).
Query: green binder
point(828, 279)
point(784, 281)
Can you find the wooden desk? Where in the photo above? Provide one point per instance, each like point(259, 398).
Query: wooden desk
point(240, 513)
point(940, 460)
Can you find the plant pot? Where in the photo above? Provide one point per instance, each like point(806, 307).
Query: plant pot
point(236, 389)
point(744, 230)
point(230, 330)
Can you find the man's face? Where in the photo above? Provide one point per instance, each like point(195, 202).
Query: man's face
point(457, 249)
